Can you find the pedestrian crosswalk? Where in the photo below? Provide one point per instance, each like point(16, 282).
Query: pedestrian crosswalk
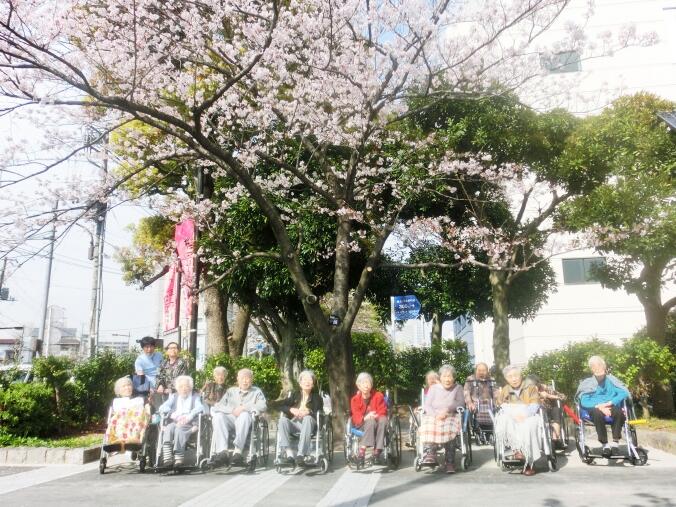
point(352, 490)
point(32, 477)
point(240, 490)
point(77, 485)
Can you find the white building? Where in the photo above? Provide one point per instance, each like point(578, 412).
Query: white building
point(580, 309)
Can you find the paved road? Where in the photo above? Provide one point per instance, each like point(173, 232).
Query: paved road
point(575, 484)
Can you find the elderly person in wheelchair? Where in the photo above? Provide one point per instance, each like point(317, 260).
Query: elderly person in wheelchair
point(181, 409)
point(441, 421)
point(234, 414)
point(517, 425)
point(602, 395)
point(369, 414)
point(300, 418)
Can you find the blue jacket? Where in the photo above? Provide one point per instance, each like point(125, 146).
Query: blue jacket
point(591, 393)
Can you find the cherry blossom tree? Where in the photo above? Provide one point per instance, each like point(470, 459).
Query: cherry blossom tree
point(311, 88)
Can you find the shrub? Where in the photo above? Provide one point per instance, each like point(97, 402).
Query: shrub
point(206, 373)
point(266, 374)
point(93, 381)
point(401, 370)
point(55, 371)
point(28, 410)
point(639, 362)
point(412, 364)
point(567, 366)
point(644, 365)
point(315, 360)
point(371, 352)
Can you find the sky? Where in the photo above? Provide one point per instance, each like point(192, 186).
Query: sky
point(126, 311)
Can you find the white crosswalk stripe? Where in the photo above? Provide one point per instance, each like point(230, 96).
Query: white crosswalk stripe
point(353, 489)
point(23, 480)
point(241, 490)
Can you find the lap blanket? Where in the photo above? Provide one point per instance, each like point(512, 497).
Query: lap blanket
point(525, 436)
point(433, 431)
point(127, 425)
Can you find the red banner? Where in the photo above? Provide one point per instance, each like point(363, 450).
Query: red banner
point(184, 236)
point(170, 301)
point(185, 239)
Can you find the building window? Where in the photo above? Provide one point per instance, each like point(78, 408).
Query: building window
point(576, 271)
point(565, 61)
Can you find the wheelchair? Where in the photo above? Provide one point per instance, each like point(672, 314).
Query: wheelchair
point(635, 454)
point(558, 417)
point(321, 450)
point(462, 442)
point(480, 423)
point(257, 448)
point(196, 451)
point(392, 446)
point(507, 461)
point(142, 450)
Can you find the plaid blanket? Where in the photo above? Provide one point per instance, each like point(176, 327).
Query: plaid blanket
point(483, 413)
point(438, 432)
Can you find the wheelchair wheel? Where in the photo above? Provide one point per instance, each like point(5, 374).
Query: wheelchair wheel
point(142, 464)
point(465, 463)
point(323, 465)
point(329, 442)
point(551, 462)
point(418, 465)
point(265, 444)
point(642, 457)
point(251, 467)
point(587, 458)
point(102, 465)
point(395, 442)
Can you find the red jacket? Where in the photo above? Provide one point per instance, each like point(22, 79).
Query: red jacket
point(358, 407)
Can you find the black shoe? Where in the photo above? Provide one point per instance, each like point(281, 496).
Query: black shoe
point(220, 458)
point(299, 461)
point(606, 452)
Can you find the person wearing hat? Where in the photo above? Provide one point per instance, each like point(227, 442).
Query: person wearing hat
point(146, 366)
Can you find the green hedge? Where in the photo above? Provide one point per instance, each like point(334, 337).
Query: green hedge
point(266, 374)
point(28, 410)
point(639, 362)
point(401, 370)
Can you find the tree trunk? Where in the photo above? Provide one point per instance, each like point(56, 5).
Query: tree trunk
point(650, 296)
point(240, 328)
point(437, 323)
point(499, 293)
point(216, 315)
point(286, 359)
point(340, 371)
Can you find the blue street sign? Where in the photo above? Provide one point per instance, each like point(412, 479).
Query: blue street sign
point(406, 307)
point(260, 346)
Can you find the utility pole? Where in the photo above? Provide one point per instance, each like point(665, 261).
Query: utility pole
point(48, 283)
point(192, 340)
point(2, 273)
point(2, 280)
point(100, 209)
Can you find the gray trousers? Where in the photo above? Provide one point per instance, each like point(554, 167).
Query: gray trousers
point(293, 428)
point(179, 435)
point(374, 433)
point(225, 425)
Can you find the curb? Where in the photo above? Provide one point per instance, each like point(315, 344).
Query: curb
point(662, 440)
point(48, 455)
